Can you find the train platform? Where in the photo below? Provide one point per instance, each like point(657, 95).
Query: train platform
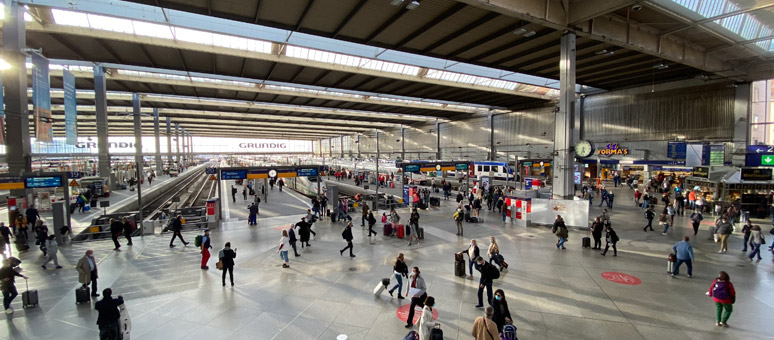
point(552, 293)
point(276, 203)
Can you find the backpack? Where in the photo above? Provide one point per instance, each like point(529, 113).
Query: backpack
point(457, 216)
point(344, 234)
point(509, 333)
point(413, 335)
point(493, 272)
point(721, 290)
point(198, 241)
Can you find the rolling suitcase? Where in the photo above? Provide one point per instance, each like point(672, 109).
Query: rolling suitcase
point(587, 242)
point(30, 297)
point(124, 323)
point(387, 229)
point(82, 295)
point(381, 286)
point(671, 263)
point(400, 231)
point(421, 233)
point(459, 265)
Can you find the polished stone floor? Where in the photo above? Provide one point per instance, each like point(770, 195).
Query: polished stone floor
point(553, 294)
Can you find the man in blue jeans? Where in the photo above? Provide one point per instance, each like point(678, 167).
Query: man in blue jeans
point(684, 253)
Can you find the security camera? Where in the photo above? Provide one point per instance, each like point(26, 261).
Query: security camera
point(636, 7)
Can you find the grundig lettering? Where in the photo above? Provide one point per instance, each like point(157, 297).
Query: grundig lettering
point(263, 145)
point(112, 145)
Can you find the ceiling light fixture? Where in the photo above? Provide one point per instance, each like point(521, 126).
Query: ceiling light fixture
point(413, 4)
point(605, 52)
point(661, 66)
point(520, 31)
point(529, 34)
point(396, 2)
point(4, 65)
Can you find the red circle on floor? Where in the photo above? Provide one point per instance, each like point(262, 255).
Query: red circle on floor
point(403, 312)
point(622, 278)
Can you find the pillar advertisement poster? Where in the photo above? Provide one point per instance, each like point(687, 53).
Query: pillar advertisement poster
point(41, 98)
point(71, 123)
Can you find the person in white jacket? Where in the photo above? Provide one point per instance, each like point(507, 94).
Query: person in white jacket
point(426, 322)
point(52, 248)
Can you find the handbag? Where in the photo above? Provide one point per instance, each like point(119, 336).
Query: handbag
point(219, 265)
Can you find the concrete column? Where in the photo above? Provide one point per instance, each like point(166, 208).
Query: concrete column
point(137, 115)
point(358, 146)
point(341, 145)
point(403, 143)
point(177, 145)
point(330, 147)
point(492, 153)
point(190, 146)
point(184, 142)
point(100, 102)
point(437, 140)
point(17, 141)
point(157, 140)
point(376, 202)
point(169, 143)
point(563, 186)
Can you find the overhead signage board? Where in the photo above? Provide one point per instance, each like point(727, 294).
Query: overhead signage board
point(613, 149)
point(717, 154)
point(527, 164)
point(258, 174)
point(307, 172)
point(233, 174)
point(676, 150)
point(760, 149)
point(11, 183)
point(461, 166)
point(756, 174)
point(211, 171)
point(767, 160)
point(412, 168)
point(701, 171)
point(43, 182)
point(75, 174)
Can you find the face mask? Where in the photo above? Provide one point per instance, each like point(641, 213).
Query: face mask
point(498, 298)
point(433, 305)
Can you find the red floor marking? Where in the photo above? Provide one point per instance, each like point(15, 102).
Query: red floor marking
point(622, 278)
point(403, 312)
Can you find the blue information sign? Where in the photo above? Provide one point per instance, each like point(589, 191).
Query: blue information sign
point(211, 171)
point(306, 172)
point(412, 168)
point(760, 149)
point(233, 174)
point(43, 182)
point(676, 150)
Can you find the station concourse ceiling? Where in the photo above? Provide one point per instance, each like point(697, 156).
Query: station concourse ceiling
point(497, 34)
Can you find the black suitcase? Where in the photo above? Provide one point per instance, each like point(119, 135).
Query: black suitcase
point(93, 203)
point(587, 242)
point(333, 217)
point(421, 233)
point(459, 265)
point(30, 297)
point(82, 295)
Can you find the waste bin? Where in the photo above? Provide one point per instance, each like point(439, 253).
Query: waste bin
point(149, 227)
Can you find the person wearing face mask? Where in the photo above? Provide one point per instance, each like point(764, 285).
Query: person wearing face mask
point(502, 315)
point(473, 253)
point(417, 291)
point(494, 253)
point(426, 322)
point(488, 274)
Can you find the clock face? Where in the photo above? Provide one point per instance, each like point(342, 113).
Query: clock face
point(583, 149)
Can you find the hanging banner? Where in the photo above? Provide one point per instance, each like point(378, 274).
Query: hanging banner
point(2, 111)
point(71, 113)
point(41, 98)
point(169, 126)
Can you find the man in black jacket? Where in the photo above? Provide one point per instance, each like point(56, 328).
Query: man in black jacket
point(347, 235)
point(304, 230)
point(488, 273)
point(7, 276)
point(32, 215)
point(226, 257)
point(108, 315)
point(116, 228)
point(177, 226)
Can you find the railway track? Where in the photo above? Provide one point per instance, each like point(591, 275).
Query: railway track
point(153, 209)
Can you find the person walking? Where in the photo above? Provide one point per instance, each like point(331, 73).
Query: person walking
point(426, 321)
point(473, 253)
point(611, 238)
point(284, 247)
point(663, 221)
point(724, 230)
point(684, 254)
point(177, 226)
point(484, 328)
point(127, 229)
point(560, 229)
point(41, 235)
point(7, 235)
point(400, 270)
point(493, 251)
point(696, 219)
point(371, 222)
point(756, 240)
point(417, 291)
point(364, 218)
point(205, 248)
point(347, 236)
point(488, 274)
point(52, 249)
point(87, 271)
point(596, 232)
point(233, 193)
point(723, 294)
point(304, 231)
point(671, 212)
point(414, 227)
point(502, 315)
point(109, 314)
point(226, 257)
point(32, 215)
point(458, 217)
point(746, 230)
point(292, 240)
point(7, 284)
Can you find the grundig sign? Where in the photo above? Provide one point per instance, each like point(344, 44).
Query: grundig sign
point(613, 150)
point(263, 145)
point(112, 145)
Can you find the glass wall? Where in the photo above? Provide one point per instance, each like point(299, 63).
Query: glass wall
point(762, 115)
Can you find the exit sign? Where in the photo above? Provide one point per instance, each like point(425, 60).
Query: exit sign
point(767, 160)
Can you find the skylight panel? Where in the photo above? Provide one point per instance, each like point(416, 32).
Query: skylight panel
point(152, 30)
point(711, 8)
point(690, 4)
point(70, 18)
point(732, 23)
point(102, 22)
point(750, 28)
point(765, 44)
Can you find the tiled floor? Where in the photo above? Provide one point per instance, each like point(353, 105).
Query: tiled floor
point(553, 294)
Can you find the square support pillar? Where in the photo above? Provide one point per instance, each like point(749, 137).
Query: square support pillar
point(100, 103)
point(137, 115)
point(17, 128)
point(564, 155)
point(157, 141)
point(177, 146)
point(169, 142)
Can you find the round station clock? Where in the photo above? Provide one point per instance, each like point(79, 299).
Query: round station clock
point(584, 149)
